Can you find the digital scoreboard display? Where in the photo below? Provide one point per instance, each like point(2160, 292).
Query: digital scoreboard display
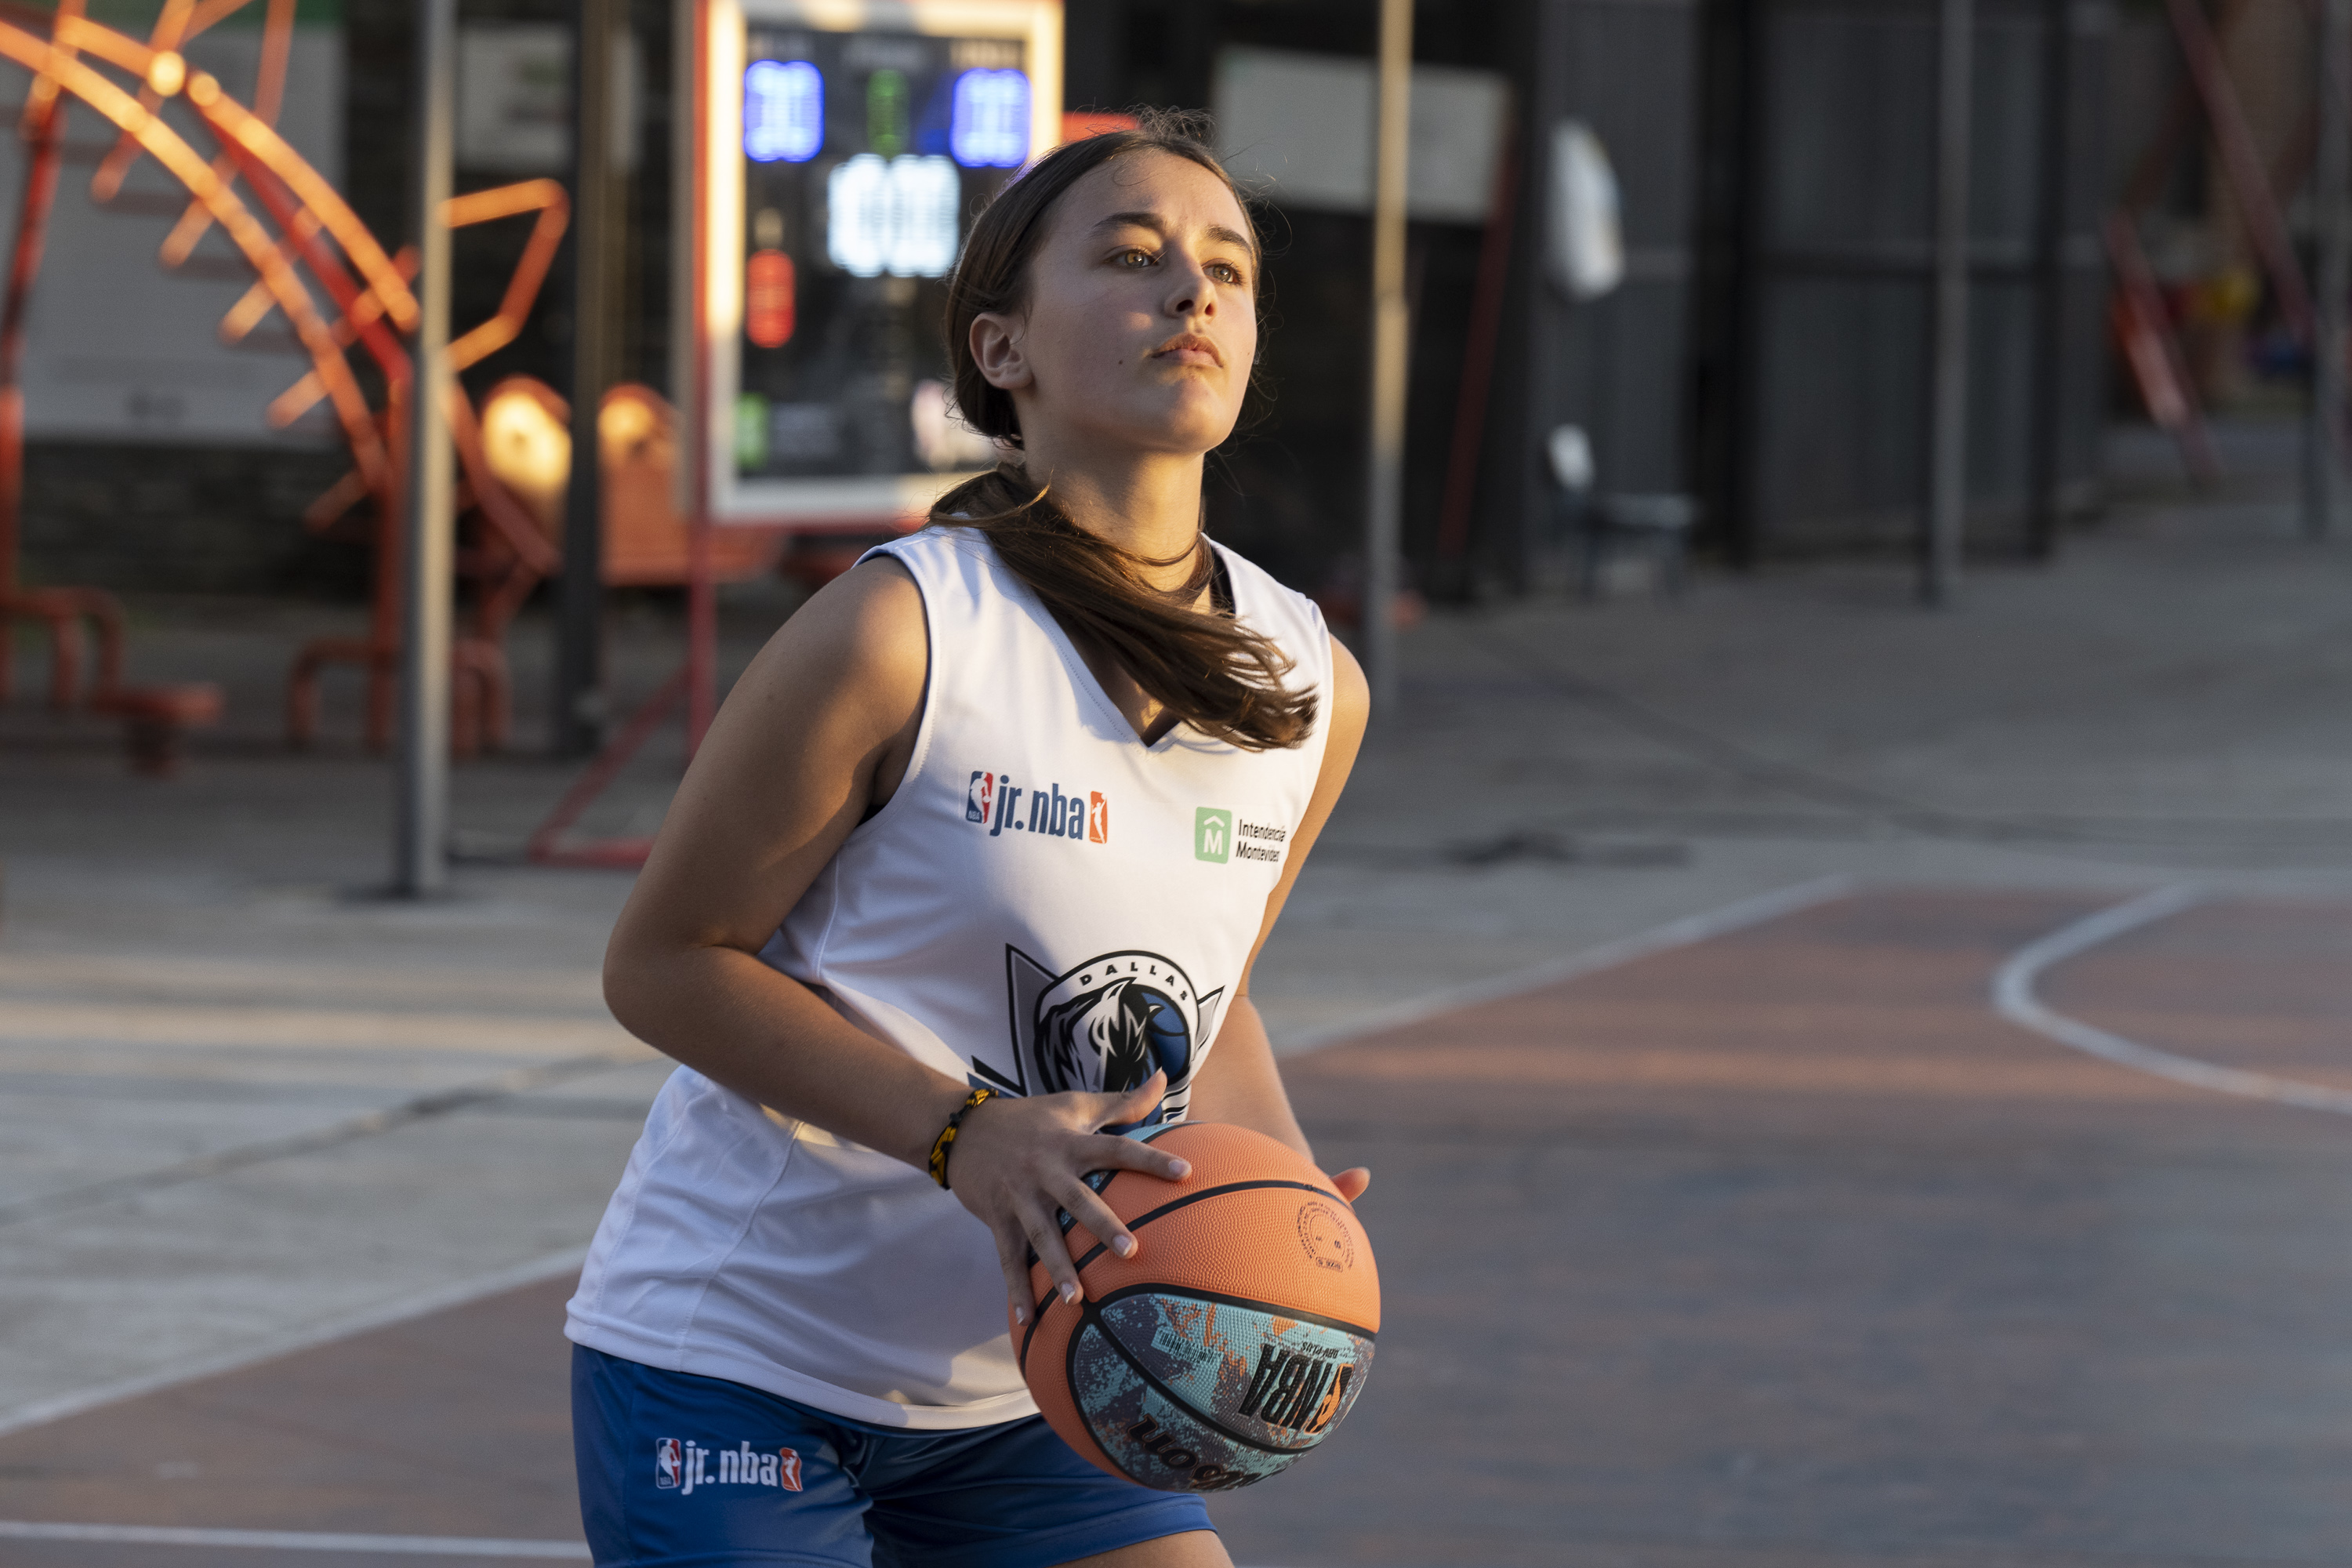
point(846, 150)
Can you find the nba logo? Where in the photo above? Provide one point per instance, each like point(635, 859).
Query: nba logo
point(979, 796)
point(788, 1470)
point(666, 1463)
point(1097, 817)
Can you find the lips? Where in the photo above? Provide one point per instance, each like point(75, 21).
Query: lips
point(1187, 344)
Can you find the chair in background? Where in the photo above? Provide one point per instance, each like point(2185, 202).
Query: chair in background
point(1659, 525)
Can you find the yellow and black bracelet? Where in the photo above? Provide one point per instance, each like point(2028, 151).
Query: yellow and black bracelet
point(946, 1139)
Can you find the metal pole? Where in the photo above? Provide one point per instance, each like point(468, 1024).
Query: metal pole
point(2047, 438)
point(1736, 488)
point(2323, 479)
point(43, 152)
point(595, 240)
point(1384, 480)
point(1947, 392)
point(421, 864)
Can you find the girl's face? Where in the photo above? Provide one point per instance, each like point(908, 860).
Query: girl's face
point(1141, 319)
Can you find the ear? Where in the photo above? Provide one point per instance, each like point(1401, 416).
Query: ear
point(996, 349)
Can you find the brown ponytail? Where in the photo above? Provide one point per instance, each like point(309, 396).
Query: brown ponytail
point(1203, 666)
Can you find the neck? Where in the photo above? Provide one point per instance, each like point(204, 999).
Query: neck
point(1147, 503)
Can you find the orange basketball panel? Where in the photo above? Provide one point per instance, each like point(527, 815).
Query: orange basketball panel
point(1231, 1343)
point(1284, 1237)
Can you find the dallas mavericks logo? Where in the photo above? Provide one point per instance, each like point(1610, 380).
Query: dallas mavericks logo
point(1108, 1024)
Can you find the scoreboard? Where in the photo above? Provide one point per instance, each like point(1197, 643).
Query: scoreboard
point(845, 147)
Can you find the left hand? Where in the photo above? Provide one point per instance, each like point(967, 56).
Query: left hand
point(1351, 1182)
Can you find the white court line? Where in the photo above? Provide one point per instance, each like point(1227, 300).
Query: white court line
point(297, 1541)
point(58, 1407)
point(1683, 932)
point(2013, 998)
point(294, 1541)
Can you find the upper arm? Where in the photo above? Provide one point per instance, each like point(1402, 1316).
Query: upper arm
point(1351, 703)
point(788, 769)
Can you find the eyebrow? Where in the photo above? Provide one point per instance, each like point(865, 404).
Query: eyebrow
point(1153, 222)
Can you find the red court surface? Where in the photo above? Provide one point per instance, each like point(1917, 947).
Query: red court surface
point(1778, 1250)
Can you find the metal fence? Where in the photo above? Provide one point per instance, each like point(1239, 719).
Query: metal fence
point(1821, 160)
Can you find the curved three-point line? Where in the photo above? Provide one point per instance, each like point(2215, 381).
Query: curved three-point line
point(2014, 999)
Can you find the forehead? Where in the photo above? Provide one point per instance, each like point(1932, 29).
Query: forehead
point(1185, 198)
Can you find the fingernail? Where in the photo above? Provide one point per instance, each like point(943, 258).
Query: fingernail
point(1124, 1245)
point(1070, 1292)
point(1020, 1314)
point(1180, 1169)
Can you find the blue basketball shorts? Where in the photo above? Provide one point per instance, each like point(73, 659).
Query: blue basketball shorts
point(681, 1471)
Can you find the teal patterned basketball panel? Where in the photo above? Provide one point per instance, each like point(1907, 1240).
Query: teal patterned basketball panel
point(1205, 1395)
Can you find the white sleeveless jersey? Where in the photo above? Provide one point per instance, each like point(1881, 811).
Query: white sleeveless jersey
point(1045, 904)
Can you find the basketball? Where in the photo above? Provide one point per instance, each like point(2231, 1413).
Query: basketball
point(1237, 1337)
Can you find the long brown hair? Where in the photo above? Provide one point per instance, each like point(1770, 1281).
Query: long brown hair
point(1203, 666)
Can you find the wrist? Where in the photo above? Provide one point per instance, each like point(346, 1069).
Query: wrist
point(941, 1151)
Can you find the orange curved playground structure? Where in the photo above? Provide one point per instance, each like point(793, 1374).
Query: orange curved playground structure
point(349, 304)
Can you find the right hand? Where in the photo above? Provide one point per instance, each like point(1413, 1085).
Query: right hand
point(1017, 1161)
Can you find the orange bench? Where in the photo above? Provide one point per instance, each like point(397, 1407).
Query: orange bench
point(153, 718)
point(527, 446)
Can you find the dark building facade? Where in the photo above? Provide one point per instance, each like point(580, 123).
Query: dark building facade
point(1766, 350)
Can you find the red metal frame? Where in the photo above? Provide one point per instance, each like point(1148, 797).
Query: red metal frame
point(548, 845)
point(2247, 181)
point(2145, 332)
point(1478, 356)
point(695, 683)
point(64, 611)
point(2143, 324)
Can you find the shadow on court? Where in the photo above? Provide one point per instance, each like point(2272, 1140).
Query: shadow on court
point(1778, 1250)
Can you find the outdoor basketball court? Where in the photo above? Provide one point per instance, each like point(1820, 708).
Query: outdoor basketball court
point(1772, 1241)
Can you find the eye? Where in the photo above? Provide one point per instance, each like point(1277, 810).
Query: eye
point(1132, 259)
point(1226, 272)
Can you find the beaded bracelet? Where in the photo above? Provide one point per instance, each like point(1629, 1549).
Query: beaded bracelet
point(946, 1139)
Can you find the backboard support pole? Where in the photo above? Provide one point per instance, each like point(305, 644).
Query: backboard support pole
point(420, 854)
point(2324, 478)
point(1385, 487)
point(1948, 373)
point(596, 238)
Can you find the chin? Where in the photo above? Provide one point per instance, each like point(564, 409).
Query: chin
point(1194, 424)
point(1189, 426)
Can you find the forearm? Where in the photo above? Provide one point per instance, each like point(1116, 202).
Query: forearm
point(1240, 1084)
point(767, 1037)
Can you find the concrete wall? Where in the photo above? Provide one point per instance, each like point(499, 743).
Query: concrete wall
point(201, 520)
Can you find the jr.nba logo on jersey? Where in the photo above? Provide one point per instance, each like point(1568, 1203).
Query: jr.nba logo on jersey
point(996, 803)
point(667, 1463)
point(1104, 1026)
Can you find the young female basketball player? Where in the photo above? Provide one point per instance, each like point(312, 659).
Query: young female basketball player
point(1009, 807)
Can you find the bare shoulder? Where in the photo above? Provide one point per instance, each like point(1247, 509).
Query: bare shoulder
point(870, 615)
point(861, 638)
point(1351, 698)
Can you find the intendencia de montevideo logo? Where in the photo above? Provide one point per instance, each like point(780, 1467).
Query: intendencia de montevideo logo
point(1217, 836)
point(994, 800)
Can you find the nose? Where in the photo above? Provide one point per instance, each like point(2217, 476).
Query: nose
point(1191, 292)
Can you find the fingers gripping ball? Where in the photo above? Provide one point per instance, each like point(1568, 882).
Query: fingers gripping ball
point(1234, 1341)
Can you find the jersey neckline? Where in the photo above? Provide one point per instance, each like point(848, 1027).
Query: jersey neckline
point(1090, 688)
